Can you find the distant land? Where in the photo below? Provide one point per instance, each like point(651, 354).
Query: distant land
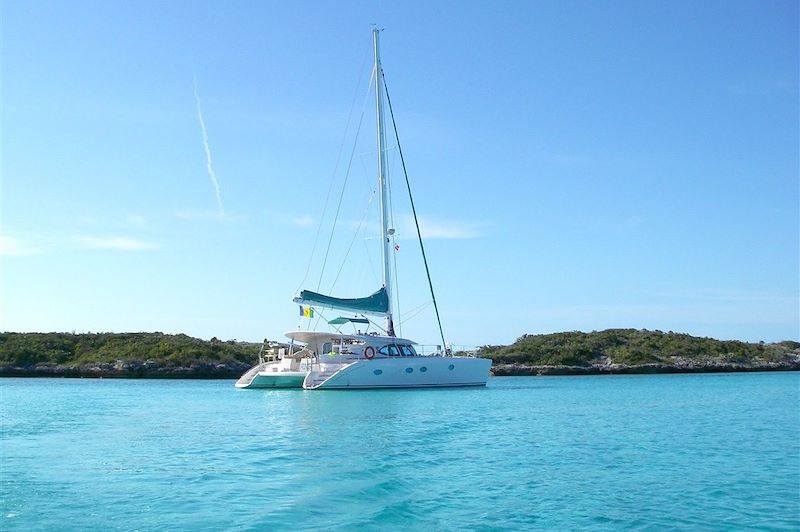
point(636, 351)
point(613, 351)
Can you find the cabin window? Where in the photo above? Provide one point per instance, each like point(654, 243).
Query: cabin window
point(407, 351)
point(389, 350)
point(327, 347)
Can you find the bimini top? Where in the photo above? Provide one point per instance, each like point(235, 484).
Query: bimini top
point(341, 320)
point(309, 337)
point(376, 303)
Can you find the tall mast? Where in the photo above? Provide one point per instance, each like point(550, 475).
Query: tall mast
point(382, 178)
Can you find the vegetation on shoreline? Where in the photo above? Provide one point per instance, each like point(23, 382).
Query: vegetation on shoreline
point(632, 347)
point(136, 352)
point(181, 356)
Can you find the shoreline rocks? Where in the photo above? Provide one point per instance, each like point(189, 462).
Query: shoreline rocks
point(151, 370)
point(518, 370)
point(129, 370)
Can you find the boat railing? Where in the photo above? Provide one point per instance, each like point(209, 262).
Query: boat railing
point(452, 350)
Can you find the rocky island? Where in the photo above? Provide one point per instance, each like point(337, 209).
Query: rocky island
point(613, 351)
point(632, 351)
point(123, 355)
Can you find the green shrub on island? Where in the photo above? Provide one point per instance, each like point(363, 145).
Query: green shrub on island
point(632, 347)
point(164, 350)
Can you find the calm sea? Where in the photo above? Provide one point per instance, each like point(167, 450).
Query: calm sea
point(688, 451)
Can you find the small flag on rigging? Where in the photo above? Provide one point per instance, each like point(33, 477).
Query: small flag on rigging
point(306, 312)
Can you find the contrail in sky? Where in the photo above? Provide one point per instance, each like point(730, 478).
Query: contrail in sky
point(209, 166)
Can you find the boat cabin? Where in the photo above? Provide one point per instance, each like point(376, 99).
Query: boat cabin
point(333, 347)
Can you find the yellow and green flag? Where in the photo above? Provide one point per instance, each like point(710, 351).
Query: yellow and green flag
point(306, 312)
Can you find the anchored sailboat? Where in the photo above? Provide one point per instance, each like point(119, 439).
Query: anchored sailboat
point(378, 360)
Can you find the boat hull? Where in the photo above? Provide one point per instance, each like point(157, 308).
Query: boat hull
point(281, 374)
point(407, 372)
point(294, 380)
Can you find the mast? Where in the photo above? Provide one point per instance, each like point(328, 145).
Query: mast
point(384, 185)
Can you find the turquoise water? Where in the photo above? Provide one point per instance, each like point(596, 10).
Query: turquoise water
point(690, 451)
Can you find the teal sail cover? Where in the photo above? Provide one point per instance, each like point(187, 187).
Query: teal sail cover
point(377, 303)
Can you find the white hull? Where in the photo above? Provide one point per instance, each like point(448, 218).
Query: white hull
point(401, 372)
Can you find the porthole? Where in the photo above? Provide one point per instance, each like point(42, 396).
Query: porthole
point(409, 370)
point(378, 371)
point(451, 367)
point(423, 369)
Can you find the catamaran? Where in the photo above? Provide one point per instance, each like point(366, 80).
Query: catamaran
point(379, 359)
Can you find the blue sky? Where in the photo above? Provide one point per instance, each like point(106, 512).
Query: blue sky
point(577, 165)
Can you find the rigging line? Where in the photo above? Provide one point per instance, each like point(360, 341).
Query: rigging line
point(307, 324)
point(368, 322)
point(310, 327)
point(369, 259)
point(335, 169)
point(413, 209)
point(355, 235)
point(421, 305)
point(346, 176)
point(375, 324)
point(418, 308)
point(367, 174)
point(412, 316)
point(396, 286)
point(319, 316)
point(414, 313)
point(388, 178)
